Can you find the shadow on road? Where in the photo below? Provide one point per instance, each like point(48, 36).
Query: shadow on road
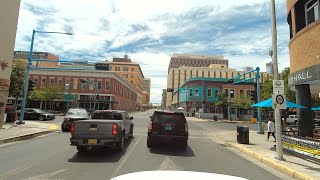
point(100, 155)
point(172, 150)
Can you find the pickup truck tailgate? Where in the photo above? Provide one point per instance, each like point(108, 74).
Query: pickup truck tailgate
point(93, 128)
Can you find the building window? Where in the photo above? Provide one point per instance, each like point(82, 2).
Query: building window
point(312, 11)
point(226, 74)
point(216, 92)
point(131, 75)
point(209, 92)
point(220, 74)
point(35, 80)
point(191, 73)
point(214, 74)
point(190, 92)
point(132, 69)
point(83, 86)
point(241, 92)
point(226, 91)
point(131, 82)
point(126, 75)
point(196, 91)
point(197, 73)
point(232, 94)
point(43, 82)
point(208, 73)
point(202, 73)
point(51, 81)
point(107, 85)
point(99, 85)
point(60, 82)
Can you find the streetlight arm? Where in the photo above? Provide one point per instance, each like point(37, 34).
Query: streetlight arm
point(53, 32)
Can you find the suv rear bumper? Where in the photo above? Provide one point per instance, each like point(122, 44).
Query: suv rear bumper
point(167, 138)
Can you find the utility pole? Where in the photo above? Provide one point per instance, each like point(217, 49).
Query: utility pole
point(276, 77)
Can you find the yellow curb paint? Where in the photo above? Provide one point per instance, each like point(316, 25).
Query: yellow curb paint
point(53, 127)
point(289, 171)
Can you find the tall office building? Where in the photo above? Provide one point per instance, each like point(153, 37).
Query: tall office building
point(192, 60)
point(147, 85)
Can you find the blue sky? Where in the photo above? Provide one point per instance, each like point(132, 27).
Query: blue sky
point(150, 31)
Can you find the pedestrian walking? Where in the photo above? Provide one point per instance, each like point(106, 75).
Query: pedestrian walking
point(271, 129)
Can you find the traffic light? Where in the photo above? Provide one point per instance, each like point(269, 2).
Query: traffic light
point(30, 85)
point(253, 95)
point(83, 81)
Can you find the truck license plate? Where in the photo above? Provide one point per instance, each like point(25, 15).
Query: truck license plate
point(92, 141)
point(168, 128)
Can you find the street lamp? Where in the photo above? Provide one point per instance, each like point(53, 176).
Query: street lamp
point(229, 105)
point(68, 97)
point(25, 88)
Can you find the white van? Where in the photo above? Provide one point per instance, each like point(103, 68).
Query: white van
point(292, 119)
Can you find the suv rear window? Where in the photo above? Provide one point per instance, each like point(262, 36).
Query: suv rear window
point(107, 116)
point(168, 117)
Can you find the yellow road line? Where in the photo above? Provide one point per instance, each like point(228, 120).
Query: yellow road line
point(18, 170)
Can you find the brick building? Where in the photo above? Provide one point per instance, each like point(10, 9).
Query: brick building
point(304, 46)
point(113, 91)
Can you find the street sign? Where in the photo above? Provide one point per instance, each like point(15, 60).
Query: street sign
point(278, 87)
point(279, 101)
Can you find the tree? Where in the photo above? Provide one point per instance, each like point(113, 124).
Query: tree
point(17, 79)
point(222, 100)
point(290, 95)
point(48, 94)
point(243, 101)
point(266, 89)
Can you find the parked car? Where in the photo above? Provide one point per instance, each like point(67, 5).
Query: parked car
point(292, 119)
point(168, 127)
point(317, 120)
point(74, 114)
point(37, 114)
point(106, 128)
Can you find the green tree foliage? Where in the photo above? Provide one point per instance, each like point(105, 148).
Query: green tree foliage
point(266, 89)
point(17, 79)
point(222, 100)
point(290, 95)
point(315, 100)
point(243, 101)
point(47, 94)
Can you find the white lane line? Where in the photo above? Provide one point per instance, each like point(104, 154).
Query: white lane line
point(167, 164)
point(124, 159)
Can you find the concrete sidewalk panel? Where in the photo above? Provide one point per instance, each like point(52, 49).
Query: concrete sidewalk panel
point(273, 163)
point(24, 137)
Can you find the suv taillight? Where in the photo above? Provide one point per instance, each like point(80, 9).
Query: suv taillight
point(186, 127)
point(150, 126)
point(72, 128)
point(114, 129)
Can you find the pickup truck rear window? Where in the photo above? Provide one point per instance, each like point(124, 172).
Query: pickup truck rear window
point(107, 116)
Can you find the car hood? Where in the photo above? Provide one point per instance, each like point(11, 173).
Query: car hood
point(174, 175)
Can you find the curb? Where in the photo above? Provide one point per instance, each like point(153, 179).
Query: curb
point(270, 162)
point(24, 137)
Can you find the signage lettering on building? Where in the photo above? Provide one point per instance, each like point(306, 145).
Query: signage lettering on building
point(102, 66)
point(300, 76)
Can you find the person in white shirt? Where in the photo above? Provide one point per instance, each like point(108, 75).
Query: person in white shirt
point(271, 129)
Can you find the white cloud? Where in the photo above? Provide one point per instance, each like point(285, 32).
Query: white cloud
point(151, 31)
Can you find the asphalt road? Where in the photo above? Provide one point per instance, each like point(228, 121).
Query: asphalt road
point(51, 157)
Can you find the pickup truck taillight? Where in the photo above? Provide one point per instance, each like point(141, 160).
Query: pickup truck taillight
point(114, 129)
point(150, 126)
point(72, 129)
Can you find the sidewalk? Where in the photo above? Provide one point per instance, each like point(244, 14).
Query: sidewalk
point(265, 152)
point(11, 132)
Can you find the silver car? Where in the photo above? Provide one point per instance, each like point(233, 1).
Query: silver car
point(74, 114)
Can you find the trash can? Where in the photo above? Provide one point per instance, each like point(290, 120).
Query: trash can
point(243, 134)
point(11, 117)
point(215, 118)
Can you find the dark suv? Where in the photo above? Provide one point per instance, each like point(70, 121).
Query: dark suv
point(168, 127)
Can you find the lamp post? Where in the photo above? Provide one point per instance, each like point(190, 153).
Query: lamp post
point(25, 88)
point(229, 105)
point(68, 97)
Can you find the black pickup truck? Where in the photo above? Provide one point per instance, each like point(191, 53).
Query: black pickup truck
point(106, 128)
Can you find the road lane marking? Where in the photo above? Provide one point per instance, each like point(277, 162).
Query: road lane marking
point(169, 164)
point(124, 159)
point(18, 170)
point(46, 175)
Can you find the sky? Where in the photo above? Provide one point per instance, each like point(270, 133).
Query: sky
point(151, 31)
